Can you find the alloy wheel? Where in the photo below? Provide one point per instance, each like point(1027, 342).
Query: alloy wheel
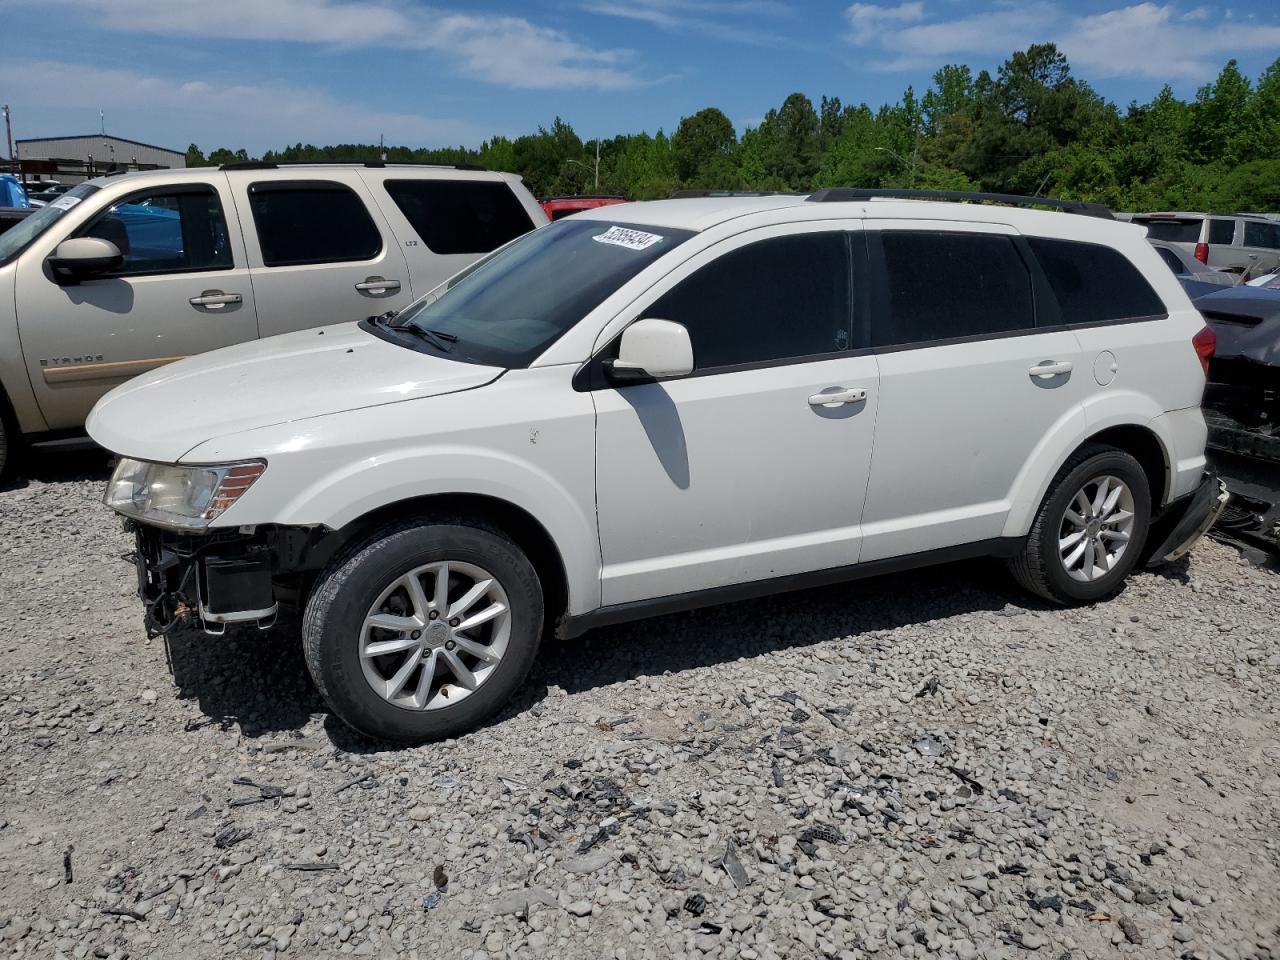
point(435, 635)
point(1096, 528)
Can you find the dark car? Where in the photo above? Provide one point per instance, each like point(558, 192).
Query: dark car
point(12, 216)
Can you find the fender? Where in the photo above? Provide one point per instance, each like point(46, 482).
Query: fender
point(1114, 409)
point(15, 381)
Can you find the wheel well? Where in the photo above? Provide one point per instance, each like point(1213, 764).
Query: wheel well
point(1145, 447)
point(517, 523)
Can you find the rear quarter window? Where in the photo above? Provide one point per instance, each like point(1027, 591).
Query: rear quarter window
point(1222, 231)
point(460, 216)
point(1093, 283)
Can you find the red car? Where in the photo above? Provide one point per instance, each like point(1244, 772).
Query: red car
point(560, 207)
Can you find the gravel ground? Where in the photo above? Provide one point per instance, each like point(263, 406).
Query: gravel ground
point(924, 765)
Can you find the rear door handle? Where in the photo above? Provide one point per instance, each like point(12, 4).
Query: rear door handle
point(836, 397)
point(377, 285)
point(215, 299)
point(1050, 368)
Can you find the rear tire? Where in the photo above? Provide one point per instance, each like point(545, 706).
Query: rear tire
point(10, 444)
point(423, 630)
point(1090, 530)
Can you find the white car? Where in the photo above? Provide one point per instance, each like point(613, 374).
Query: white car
point(654, 406)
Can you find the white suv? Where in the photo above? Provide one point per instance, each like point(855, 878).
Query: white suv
point(654, 406)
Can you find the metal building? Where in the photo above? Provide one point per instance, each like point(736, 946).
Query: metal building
point(77, 158)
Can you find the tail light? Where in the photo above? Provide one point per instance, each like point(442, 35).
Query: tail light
point(1205, 342)
point(1202, 253)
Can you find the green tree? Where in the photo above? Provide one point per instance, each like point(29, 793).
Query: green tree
point(195, 157)
point(702, 144)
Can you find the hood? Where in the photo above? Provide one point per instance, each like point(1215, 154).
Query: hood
point(163, 414)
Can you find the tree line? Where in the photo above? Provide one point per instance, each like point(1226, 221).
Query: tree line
point(1032, 128)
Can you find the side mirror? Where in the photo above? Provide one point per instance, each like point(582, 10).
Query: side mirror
point(652, 349)
point(81, 258)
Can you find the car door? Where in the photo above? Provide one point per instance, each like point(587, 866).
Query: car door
point(184, 289)
point(319, 249)
point(968, 385)
point(1262, 243)
point(741, 471)
point(448, 220)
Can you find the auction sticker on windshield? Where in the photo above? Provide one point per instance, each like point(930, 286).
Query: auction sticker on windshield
point(65, 203)
point(631, 239)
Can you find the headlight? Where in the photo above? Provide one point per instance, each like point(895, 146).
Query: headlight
point(178, 495)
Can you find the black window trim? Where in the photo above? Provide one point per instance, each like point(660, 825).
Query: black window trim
point(163, 191)
point(285, 186)
point(591, 374)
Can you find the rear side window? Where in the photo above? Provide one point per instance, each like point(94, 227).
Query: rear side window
point(1222, 231)
point(772, 300)
point(939, 286)
point(1172, 262)
point(1093, 283)
point(169, 231)
point(460, 216)
point(1186, 230)
point(1258, 234)
point(312, 222)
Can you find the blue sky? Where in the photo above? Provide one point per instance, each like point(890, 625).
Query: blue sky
point(264, 73)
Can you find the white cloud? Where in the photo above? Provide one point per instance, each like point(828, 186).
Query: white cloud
point(1145, 39)
point(720, 19)
point(217, 114)
point(506, 50)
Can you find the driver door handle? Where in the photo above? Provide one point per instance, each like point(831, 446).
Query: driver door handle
point(377, 285)
point(1050, 368)
point(836, 397)
point(215, 299)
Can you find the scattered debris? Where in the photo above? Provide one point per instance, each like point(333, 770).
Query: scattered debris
point(68, 877)
point(930, 747)
point(440, 878)
point(198, 812)
point(229, 836)
point(514, 786)
point(363, 778)
point(431, 901)
point(124, 912)
point(968, 780)
point(695, 905)
point(733, 866)
point(930, 688)
point(311, 867)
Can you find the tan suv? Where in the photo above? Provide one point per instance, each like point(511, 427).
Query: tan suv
point(126, 273)
point(1235, 242)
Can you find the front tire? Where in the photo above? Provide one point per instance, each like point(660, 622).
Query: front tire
point(1090, 530)
point(423, 630)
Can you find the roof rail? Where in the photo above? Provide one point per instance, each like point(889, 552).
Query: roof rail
point(844, 194)
point(691, 194)
point(370, 164)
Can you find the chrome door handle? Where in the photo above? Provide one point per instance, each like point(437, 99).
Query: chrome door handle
point(837, 397)
point(377, 285)
point(1050, 368)
point(215, 299)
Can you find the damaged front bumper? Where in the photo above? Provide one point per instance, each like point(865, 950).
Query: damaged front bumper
point(215, 579)
point(1185, 521)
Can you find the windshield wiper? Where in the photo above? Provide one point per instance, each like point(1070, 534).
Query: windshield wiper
point(441, 341)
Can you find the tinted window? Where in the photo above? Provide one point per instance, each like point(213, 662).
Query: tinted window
point(167, 232)
point(1093, 283)
point(511, 306)
point(312, 222)
point(1173, 231)
point(1258, 234)
point(1170, 260)
point(779, 298)
point(1221, 231)
point(944, 285)
point(460, 216)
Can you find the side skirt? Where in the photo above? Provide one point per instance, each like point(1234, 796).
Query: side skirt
point(732, 593)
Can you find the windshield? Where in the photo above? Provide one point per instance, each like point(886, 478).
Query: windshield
point(17, 238)
point(513, 305)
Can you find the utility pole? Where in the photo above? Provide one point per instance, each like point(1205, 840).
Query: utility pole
point(597, 187)
point(8, 130)
point(382, 148)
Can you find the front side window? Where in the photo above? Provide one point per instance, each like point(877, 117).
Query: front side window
point(1258, 234)
point(507, 309)
point(1093, 283)
point(169, 231)
point(460, 216)
point(1222, 231)
point(771, 300)
point(942, 286)
point(309, 221)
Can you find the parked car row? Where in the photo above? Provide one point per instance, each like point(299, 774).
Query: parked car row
point(127, 273)
point(1238, 243)
point(639, 408)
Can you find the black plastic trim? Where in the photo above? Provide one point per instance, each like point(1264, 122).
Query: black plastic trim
point(679, 603)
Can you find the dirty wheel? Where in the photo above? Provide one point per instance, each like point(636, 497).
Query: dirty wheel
point(424, 630)
point(1090, 530)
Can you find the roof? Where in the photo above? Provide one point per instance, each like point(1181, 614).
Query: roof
point(275, 171)
point(702, 213)
point(101, 136)
point(1200, 213)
